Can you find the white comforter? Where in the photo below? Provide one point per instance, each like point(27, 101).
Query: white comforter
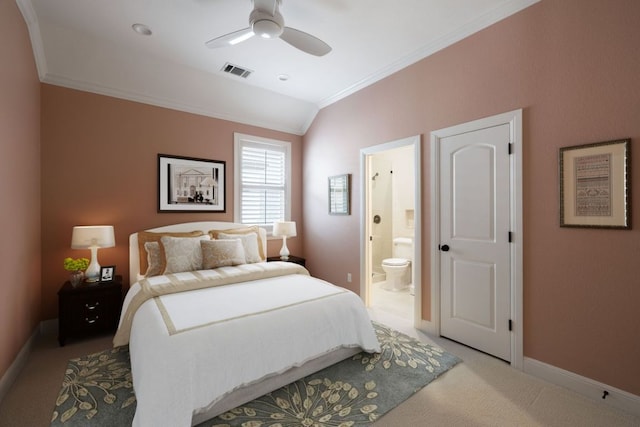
point(190, 349)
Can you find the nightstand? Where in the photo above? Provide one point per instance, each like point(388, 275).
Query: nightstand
point(293, 259)
point(88, 309)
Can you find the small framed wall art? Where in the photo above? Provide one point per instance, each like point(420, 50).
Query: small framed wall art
point(187, 184)
point(339, 187)
point(594, 185)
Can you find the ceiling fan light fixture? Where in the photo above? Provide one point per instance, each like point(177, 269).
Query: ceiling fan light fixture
point(266, 21)
point(267, 29)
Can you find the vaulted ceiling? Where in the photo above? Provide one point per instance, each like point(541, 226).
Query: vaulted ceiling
point(91, 46)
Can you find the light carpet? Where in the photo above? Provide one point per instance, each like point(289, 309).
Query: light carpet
point(97, 389)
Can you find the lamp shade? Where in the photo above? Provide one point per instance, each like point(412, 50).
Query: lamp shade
point(284, 228)
point(87, 236)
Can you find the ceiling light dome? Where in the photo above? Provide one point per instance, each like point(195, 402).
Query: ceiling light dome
point(266, 25)
point(267, 29)
point(142, 29)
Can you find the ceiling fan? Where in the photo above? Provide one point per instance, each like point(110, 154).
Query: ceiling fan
point(266, 21)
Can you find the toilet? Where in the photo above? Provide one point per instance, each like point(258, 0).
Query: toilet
point(398, 268)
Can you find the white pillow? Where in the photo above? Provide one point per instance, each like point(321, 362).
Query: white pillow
point(221, 253)
point(182, 253)
point(249, 243)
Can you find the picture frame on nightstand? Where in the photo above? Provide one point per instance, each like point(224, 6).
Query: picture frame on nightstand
point(107, 273)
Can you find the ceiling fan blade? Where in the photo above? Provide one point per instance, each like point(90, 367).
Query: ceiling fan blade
point(230, 39)
point(305, 42)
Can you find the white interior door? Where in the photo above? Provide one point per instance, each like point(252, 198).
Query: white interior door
point(475, 288)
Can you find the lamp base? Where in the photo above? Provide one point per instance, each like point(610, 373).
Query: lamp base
point(92, 273)
point(284, 252)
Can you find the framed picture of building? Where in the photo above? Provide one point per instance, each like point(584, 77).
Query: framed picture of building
point(187, 184)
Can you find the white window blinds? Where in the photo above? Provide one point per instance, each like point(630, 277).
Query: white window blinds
point(262, 189)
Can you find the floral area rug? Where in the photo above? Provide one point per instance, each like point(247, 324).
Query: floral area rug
point(97, 389)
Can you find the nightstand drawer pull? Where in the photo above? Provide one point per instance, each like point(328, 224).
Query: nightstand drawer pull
point(91, 321)
point(92, 307)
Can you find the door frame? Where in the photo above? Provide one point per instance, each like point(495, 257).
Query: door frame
point(365, 253)
point(514, 120)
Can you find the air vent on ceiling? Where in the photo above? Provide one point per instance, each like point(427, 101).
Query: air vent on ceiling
point(236, 71)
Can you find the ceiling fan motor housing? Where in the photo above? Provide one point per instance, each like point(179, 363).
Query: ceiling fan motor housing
point(266, 25)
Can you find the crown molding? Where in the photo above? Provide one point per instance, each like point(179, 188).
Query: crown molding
point(58, 80)
point(31, 19)
point(26, 8)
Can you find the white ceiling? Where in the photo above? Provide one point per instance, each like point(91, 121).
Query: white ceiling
point(90, 45)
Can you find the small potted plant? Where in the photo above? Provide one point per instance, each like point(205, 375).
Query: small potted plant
point(76, 267)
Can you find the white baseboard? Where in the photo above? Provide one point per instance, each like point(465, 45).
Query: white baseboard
point(18, 364)
point(585, 386)
point(7, 380)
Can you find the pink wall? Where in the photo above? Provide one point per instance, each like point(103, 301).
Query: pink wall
point(19, 186)
point(100, 167)
point(573, 66)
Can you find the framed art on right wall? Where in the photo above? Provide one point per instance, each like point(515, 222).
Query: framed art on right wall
point(339, 187)
point(594, 185)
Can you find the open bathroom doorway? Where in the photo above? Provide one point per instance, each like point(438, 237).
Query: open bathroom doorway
point(390, 249)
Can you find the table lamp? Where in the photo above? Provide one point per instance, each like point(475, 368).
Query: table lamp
point(284, 229)
point(93, 237)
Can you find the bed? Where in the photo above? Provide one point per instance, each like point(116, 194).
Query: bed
point(205, 338)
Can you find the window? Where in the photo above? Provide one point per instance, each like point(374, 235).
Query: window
point(262, 191)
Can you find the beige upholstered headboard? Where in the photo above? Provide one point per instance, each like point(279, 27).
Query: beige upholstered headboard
point(204, 226)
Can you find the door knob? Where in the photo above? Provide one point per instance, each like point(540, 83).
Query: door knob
point(444, 248)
